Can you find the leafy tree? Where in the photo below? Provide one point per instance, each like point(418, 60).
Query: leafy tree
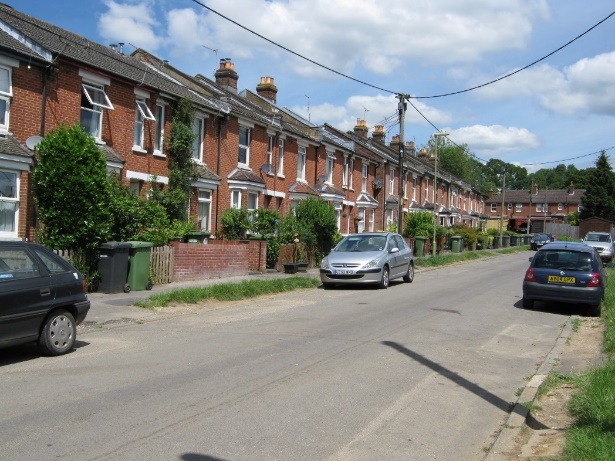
point(599, 199)
point(71, 190)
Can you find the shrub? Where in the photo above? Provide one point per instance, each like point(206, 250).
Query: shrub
point(234, 223)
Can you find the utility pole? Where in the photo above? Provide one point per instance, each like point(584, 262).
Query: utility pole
point(400, 186)
point(502, 214)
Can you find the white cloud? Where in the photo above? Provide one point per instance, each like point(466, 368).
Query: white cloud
point(586, 87)
point(495, 139)
point(130, 23)
point(378, 35)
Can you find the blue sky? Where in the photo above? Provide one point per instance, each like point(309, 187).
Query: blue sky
point(558, 109)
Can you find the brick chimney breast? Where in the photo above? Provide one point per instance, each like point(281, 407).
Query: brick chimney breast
point(361, 129)
point(267, 89)
point(226, 76)
point(395, 143)
point(379, 133)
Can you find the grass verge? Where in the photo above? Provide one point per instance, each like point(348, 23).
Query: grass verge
point(592, 436)
point(228, 291)
point(452, 258)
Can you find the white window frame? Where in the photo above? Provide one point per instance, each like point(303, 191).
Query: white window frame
point(236, 199)
point(142, 113)
point(244, 148)
point(560, 206)
point(198, 129)
point(301, 161)
point(204, 199)
point(391, 180)
point(93, 85)
point(364, 175)
point(509, 206)
point(345, 172)
point(363, 220)
point(8, 202)
point(414, 189)
point(329, 167)
point(270, 148)
point(252, 204)
point(405, 185)
point(372, 213)
point(159, 135)
point(351, 174)
point(281, 145)
point(5, 99)
point(518, 207)
point(494, 207)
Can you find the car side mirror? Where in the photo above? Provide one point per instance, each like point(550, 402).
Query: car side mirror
point(531, 258)
point(394, 250)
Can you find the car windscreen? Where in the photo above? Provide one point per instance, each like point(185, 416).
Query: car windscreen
point(563, 260)
point(362, 243)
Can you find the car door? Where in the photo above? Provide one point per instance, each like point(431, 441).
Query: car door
point(25, 294)
point(403, 256)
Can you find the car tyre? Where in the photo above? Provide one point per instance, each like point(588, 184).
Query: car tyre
point(528, 303)
point(409, 277)
point(595, 310)
point(384, 281)
point(58, 334)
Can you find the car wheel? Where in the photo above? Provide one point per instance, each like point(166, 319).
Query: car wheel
point(595, 310)
point(409, 277)
point(384, 281)
point(528, 303)
point(58, 334)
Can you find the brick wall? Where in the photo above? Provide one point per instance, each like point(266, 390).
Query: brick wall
point(218, 258)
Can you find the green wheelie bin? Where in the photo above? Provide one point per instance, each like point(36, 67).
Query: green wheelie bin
point(138, 266)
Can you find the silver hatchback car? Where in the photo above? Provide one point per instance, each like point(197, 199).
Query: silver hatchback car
point(375, 257)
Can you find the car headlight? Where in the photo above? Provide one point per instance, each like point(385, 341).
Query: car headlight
point(373, 263)
point(324, 264)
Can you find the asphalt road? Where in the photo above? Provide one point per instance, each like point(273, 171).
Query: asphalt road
point(421, 371)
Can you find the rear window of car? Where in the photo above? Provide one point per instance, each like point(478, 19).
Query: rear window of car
point(563, 259)
point(52, 262)
point(16, 263)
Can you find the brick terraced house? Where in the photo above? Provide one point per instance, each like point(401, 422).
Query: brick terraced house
point(251, 152)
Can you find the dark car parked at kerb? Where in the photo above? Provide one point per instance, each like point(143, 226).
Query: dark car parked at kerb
point(541, 239)
point(42, 298)
point(566, 272)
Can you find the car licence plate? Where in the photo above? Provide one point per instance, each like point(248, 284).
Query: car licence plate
point(558, 279)
point(343, 271)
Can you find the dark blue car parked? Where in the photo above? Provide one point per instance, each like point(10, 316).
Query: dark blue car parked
point(566, 272)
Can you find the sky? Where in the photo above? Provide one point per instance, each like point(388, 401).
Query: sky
point(362, 53)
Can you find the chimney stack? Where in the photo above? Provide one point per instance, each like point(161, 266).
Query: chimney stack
point(226, 76)
point(267, 89)
point(379, 134)
point(395, 143)
point(410, 148)
point(361, 129)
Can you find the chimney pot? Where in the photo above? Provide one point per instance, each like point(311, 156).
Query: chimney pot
point(267, 89)
point(226, 76)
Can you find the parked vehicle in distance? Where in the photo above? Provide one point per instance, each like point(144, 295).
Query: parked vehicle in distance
point(541, 239)
point(375, 257)
point(42, 298)
point(602, 242)
point(566, 272)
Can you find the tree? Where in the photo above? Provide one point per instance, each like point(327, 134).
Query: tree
point(599, 198)
point(71, 190)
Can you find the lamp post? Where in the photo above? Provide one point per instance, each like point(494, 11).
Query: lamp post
point(435, 193)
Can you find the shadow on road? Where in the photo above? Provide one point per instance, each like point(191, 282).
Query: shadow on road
point(484, 394)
